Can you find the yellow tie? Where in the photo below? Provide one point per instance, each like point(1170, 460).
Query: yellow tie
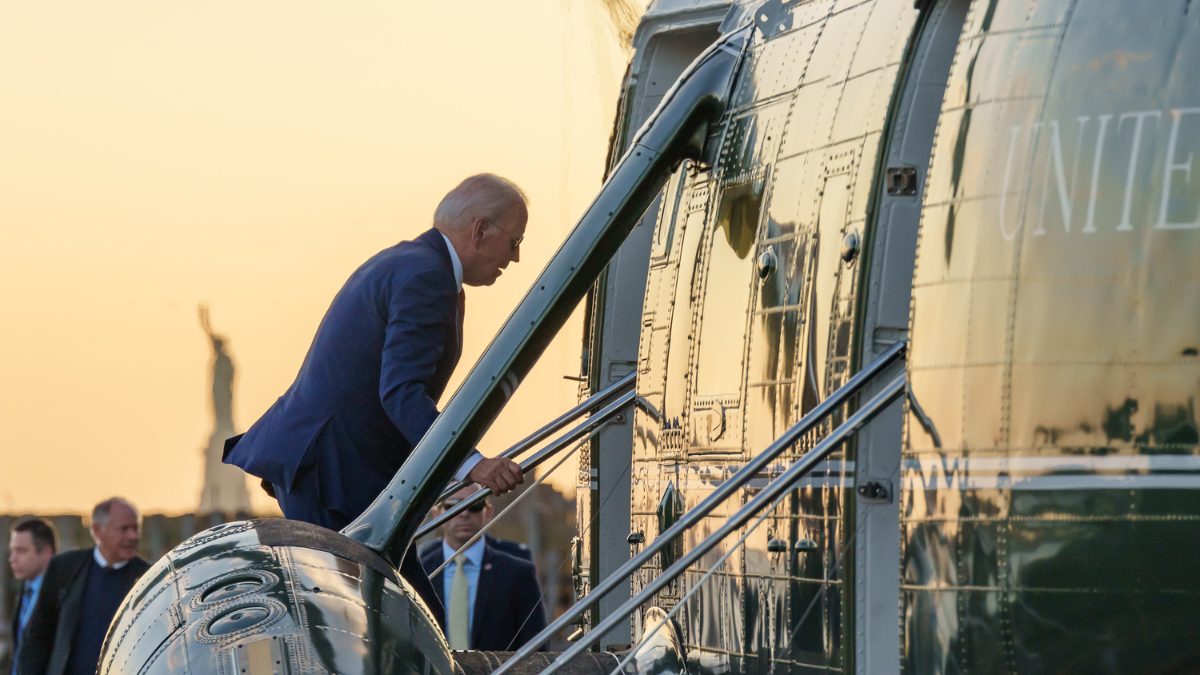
point(459, 619)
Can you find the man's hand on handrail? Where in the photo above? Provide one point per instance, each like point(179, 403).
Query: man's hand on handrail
point(499, 474)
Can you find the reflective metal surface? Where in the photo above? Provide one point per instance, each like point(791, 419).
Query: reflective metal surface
point(1055, 348)
point(748, 324)
point(223, 603)
point(773, 491)
point(685, 525)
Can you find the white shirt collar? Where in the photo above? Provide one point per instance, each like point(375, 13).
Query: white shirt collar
point(104, 563)
point(473, 554)
point(454, 261)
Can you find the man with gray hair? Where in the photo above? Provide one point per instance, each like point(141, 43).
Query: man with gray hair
point(81, 593)
point(368, 388)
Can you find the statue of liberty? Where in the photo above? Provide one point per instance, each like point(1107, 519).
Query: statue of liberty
point(224, 485)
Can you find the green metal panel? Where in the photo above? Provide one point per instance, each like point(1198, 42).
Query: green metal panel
point(1047, 523)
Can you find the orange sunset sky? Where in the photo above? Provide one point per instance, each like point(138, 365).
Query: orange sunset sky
point(251, 154)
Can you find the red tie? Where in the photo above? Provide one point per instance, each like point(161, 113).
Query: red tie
point(462, 301)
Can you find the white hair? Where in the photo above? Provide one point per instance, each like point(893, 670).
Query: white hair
point(103, 509)
point(483, 195)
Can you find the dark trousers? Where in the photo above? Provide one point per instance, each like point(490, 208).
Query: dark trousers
point(303, 503)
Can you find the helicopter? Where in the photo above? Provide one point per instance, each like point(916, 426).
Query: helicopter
point(890, 368)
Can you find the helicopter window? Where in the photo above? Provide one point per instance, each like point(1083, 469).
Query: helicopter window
point(727, 294)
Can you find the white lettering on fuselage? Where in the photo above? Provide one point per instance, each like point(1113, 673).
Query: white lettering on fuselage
point(1169, 172)
point(1046, 137)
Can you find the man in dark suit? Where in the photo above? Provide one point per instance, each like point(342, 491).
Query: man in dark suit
point(493, 600)
point(81, 593)
point(368, 389)
point(30, 547)
point(514, 548)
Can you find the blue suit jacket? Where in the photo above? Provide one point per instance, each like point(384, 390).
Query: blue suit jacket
point(514, 548)
point(508, 599)
point(368, 388)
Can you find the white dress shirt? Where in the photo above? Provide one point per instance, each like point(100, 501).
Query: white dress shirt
point(470, 462)
point(104, 563)
point(454, 261)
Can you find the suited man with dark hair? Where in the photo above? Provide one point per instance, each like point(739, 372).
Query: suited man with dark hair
point(368, 389)
point(81, 593)
point(31, 546)
point(493, 599)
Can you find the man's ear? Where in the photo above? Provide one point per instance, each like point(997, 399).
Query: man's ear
point(478, 230)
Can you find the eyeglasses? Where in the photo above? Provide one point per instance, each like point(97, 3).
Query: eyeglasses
point(516, 243)
point(477, 507)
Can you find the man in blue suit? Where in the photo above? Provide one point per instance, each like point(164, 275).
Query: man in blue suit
point(493, 599)
point(368, 388)
point(514, 548)
point(32, 544)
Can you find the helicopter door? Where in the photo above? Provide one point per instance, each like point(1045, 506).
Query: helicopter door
point(666, 43)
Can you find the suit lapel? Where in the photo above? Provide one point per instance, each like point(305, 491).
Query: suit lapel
point(16, 618)
point(433, 239)
point(483, 591)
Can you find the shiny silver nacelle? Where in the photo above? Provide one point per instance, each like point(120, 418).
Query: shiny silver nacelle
point(273, 597)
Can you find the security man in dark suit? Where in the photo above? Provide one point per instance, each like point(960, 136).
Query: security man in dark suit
point(81, 593)
point(368, 389)
point(30, 547)
point(493, 600)
point(513, 548)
